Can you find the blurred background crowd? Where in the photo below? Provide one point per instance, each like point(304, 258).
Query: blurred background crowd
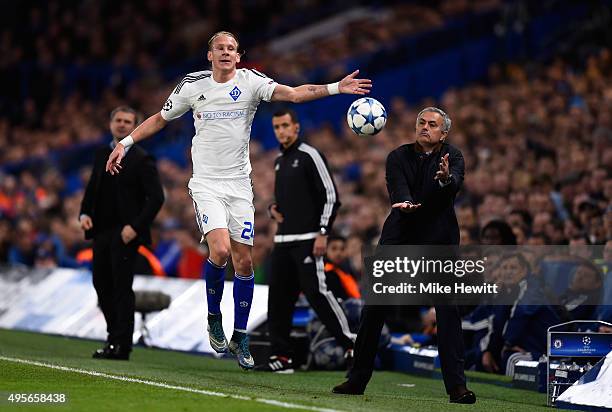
point(534, 125)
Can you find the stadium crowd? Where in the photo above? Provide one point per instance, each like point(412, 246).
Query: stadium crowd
point(537, 148)
point(537, 141)
point(63, 67)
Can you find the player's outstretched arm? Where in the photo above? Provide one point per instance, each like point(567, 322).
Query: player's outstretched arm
point(308, 92)
point(146, 129)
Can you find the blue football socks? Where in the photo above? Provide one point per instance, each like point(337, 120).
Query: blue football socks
point(243, 297)
point(215, 279)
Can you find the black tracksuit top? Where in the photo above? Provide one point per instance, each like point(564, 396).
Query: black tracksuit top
point(305, 193)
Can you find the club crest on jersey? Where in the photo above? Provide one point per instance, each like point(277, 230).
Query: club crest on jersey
point(296, 163)
point(235, 93)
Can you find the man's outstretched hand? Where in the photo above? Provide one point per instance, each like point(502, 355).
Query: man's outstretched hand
point(351, 85)
point(406, 207)
point(113, 165)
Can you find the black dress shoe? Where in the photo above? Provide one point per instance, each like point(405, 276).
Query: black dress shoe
point(349, 388)
point(113, 352)
point(102, 352)
point(467, 397)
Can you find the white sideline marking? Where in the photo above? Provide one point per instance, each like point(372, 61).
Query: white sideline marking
point(166, 386)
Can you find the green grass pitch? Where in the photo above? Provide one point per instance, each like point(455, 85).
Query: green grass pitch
point(180, 372)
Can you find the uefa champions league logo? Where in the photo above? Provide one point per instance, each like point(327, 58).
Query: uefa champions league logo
point(557, 343)
point(586, 340)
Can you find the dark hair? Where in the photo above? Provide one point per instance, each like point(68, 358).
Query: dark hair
point(334, 236)
point(525, 216)
point(505, 231)
point(519, 256)
point(591, 265)
point(125, 109)
point(290, 112)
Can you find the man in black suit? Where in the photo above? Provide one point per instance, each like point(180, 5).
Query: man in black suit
point(422, 180)
point(117, 212)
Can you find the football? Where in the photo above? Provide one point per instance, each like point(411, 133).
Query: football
point(366, 116)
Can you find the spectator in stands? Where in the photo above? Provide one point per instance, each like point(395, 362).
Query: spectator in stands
point(117, 213)
point(497, 232)
point(514, 271)
point(525, 332)
point(5, 238)
point(340, 281)
point(23, 250)
point(487, 321)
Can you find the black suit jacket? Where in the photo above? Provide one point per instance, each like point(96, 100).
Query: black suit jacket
point(138, 195)
point(410, 176)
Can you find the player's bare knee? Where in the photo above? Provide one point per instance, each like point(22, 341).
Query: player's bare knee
point(219, 246)
point(219, 256)
point(219, 252)
point(243, 264)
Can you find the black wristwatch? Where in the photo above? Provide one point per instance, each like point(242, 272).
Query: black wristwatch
point(323, 231)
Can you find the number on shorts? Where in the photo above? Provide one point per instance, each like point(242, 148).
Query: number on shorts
point(248, 232)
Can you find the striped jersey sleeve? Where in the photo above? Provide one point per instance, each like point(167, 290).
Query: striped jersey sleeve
point(178, 102)
point(262, 85)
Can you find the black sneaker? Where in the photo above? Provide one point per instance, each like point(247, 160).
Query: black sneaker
point(113, 352)
point(277, 364)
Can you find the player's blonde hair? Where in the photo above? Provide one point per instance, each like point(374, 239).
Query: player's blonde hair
point(222, 33)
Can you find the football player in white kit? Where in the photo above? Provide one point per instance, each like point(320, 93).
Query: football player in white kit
point(224, 101)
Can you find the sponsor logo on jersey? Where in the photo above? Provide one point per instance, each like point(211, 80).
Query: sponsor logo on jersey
point(277, 167)
point(244, 304)
point(201, 98)
point(167, 105)
point(308, 260)
point(296, 163)
point(205, 219)
point(235, 93)
point(222, 114)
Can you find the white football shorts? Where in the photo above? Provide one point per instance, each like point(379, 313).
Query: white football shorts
point(224, 204)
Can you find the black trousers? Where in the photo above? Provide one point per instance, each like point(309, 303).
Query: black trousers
point(113, 276)
point(294, 269)
point(450, 345)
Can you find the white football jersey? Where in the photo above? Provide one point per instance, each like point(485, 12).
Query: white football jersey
point(222, 115)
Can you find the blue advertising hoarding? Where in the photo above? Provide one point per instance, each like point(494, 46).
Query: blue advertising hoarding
point(580, 344)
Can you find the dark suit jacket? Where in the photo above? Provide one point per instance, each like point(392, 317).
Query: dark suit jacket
point(410, 176)
point(138, 197)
